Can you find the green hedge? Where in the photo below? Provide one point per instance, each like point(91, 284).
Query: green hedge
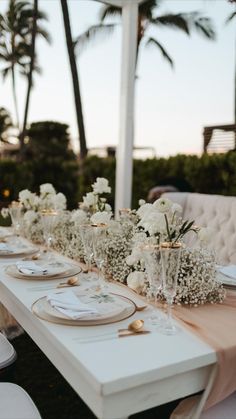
point(214, 174)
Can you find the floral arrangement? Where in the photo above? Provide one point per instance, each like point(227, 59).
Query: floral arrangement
point(150, 224)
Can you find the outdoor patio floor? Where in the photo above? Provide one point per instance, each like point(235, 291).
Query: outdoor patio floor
point(53, 396)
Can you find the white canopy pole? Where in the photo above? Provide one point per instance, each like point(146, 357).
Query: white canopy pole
point(124, 155)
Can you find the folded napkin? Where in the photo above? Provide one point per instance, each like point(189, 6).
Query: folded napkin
point(5, 248)
point(30, 268)
point(70, 305)
point(229, 271)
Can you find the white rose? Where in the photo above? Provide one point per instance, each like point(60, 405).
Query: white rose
point(177, 208)
point(101, 217)
point(27, 198)
point(107, 208)
point(4, 212)
point(144, 209)
point(79, 217)
point(153, 222)
point(141, 202)
point(47, 189)
point(136, 280)
point(30, 216)
point(58, 201)
point(163, 205)
point(90, 199)
point(101, 186)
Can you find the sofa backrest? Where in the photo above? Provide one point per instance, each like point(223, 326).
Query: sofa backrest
point(216, 212)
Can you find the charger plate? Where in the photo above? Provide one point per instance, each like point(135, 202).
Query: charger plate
point(66, 272)
point(226, 281)
point(115, 310)
point(16, 248)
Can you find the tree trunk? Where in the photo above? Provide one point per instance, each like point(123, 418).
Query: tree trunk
point(75, 79)
point(15, 96)
point(30, 75)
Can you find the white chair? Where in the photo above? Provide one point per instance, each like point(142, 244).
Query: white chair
point(15, 403)
point(7, 352)
point(223, 410)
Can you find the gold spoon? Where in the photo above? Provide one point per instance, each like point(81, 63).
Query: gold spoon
point(71, 282)
point(136, 326)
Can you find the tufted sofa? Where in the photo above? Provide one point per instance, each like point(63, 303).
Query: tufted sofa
point(216, 212)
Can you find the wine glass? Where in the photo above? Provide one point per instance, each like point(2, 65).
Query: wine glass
point(170, 258)
point(48, 217)
point(16, 213)
point(86, 234)
point(99, 237)
point(152, 260)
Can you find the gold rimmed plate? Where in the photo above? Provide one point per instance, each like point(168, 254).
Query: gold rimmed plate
point(66, 271)
point(117, 308)
point(18, 252)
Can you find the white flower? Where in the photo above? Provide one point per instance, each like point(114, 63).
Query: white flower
point(90, 199)
point(4, 212)
point(79, 217)
point(163, 205)
point(144, 209)
point(47, 189)
point(204, 235)
point(101, 217)
point(153, 222)
point(58, 201)
point(107, 208)
point(30, 216)
point(141, 202)
point(136, 280)
point(176, 208)
point(27, 198)
point(101, 186)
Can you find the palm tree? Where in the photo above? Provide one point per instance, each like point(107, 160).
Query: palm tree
point(75, 79)
point(147, 19)
point(15, 39)
point(5, 124)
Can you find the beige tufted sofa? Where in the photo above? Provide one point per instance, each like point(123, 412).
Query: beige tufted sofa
point(216, 212)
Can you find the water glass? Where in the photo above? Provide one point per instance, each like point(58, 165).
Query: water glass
point(100, 257)
point(48, 217)
point(170, 258)
point(16, 213)
point(152, 259)
point(86, 234)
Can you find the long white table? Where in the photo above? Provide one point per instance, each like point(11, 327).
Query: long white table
point(115, 378)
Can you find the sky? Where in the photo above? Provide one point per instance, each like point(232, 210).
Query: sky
point(172, 106)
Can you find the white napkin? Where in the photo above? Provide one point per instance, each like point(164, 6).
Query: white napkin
point(229, 271)
point(70, 305)
point(30, 268)
point(5, 248)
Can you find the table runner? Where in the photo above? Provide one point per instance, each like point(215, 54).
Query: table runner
point(216, 325)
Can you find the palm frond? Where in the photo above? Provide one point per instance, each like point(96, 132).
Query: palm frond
point(5, 71)
point(109, 11)
point(152, 41)
point(202, 24)
point(230, 17)
point(175, 21)
point(92, 34)
point(147, 7)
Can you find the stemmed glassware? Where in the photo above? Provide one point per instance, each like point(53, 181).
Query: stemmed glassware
point(99, 237)
point(86, 234)
point(152, 258)
point(170, 258)
point(16, 213)
point(48, 217)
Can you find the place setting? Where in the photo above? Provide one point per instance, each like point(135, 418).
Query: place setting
point(15, 247)
point(227, 276)
point(77, 308)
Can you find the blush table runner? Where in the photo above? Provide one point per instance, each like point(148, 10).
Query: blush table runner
point(216, 325)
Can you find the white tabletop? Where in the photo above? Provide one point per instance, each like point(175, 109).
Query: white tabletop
point(109, 375)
